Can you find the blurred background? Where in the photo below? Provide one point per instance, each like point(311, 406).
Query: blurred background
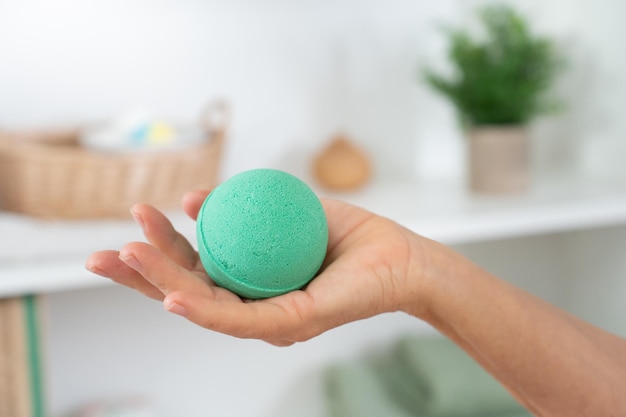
point(295, 74)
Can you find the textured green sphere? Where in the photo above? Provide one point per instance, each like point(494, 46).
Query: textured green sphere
point(262, 233)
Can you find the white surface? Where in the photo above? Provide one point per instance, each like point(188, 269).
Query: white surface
point(448, 213)
point(42, 256)
point(38, 256)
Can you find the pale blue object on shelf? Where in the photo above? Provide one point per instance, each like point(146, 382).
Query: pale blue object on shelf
point(137, 136)
point(139, 132)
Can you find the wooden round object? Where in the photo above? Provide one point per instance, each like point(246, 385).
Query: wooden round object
point(342, 166)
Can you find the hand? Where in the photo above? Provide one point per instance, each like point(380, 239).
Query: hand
point(365, 273)
point(373, 266)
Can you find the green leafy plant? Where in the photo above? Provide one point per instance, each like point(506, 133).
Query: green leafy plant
point(503, 78)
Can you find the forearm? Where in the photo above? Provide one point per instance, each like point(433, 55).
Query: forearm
point(554, 363)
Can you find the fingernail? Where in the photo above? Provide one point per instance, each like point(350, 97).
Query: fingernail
point(94, 269)
point(138, 217)
point(131, 261)
point(174, 307)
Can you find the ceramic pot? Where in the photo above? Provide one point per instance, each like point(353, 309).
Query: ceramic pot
point(499, 161)
point(342, 166)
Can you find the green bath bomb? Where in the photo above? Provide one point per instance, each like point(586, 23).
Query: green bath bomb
point(262, 233)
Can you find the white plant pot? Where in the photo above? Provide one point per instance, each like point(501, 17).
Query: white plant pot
point(499, 159)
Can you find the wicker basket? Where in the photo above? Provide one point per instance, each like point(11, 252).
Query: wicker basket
point(47, 174)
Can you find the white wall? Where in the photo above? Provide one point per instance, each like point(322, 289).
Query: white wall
point(297, 72)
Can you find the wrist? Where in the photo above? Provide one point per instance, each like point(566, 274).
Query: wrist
point(430, 271)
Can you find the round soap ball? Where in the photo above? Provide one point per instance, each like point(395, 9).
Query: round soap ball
point(262, 233)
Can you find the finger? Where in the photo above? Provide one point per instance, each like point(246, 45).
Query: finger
point(161, 271)
point(107, 264)
point(192, 202)
point(279, 342)
point(265, 320)
point(161, 233)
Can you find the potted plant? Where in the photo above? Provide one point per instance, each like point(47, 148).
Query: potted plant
point(499, 84)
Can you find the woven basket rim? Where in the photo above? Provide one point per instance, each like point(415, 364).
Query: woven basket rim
point(33, 144)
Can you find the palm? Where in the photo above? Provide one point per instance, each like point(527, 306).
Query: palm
point(357, 280)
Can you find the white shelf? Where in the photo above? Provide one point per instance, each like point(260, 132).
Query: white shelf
point(39, 256)
point(450, 214)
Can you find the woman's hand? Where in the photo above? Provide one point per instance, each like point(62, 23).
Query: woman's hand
point(365, 273)
point(372, 266)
